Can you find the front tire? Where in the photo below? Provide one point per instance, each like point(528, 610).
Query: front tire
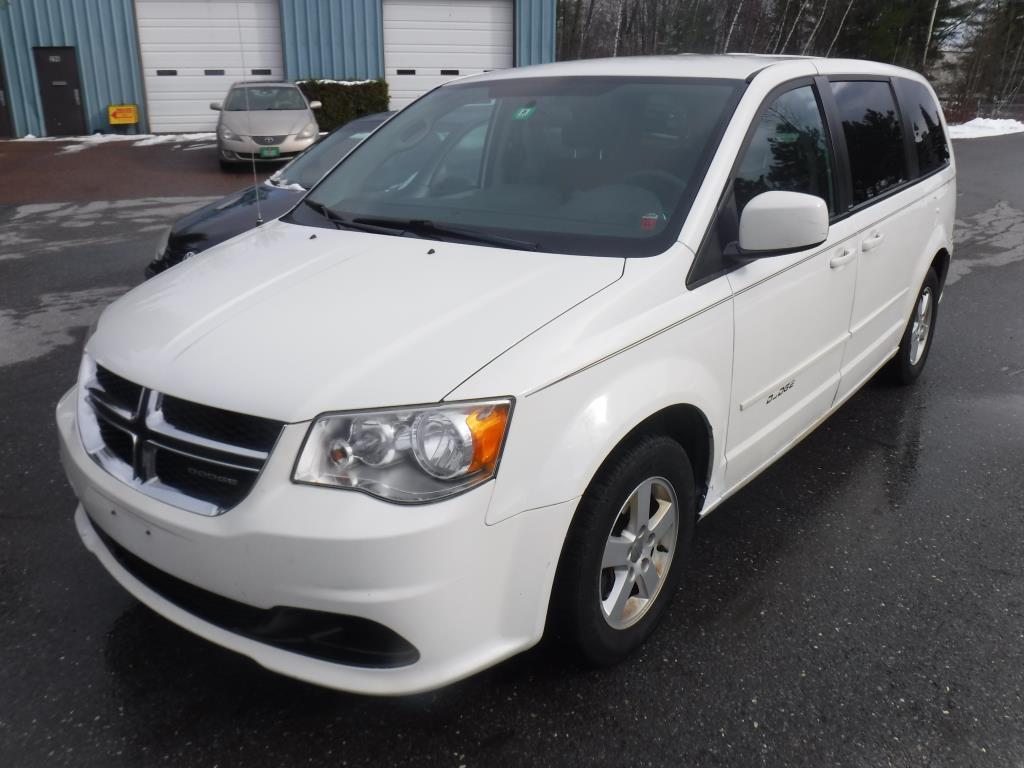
point(625, 552)
point(908, 364)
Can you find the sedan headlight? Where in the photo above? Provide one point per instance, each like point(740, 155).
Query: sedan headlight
point(161, 244)
point(226, 134)
point(309, 131)
point(410, 455)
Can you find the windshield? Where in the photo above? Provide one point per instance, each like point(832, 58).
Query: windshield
point(590, 165)
point(308, 168)
point(264, 98)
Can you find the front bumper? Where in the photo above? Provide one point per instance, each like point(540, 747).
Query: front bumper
point(246, 149)
point(464, 594)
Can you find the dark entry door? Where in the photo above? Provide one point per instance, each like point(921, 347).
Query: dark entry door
point(6, 128)
point(61, 91)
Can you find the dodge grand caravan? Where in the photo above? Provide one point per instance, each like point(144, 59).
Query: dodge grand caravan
point(482, 381)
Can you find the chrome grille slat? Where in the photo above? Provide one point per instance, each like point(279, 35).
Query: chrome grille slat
point(117, 392)
point(192, 471)
point(206, 459)
point(100, 404)
point(158, 425)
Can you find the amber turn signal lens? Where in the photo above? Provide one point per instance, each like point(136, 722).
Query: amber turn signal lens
point(487, 426)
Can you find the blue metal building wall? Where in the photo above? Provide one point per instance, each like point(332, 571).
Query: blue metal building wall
point(535, 32)
point(333, 39)
point(344, 39)
point(103, 35)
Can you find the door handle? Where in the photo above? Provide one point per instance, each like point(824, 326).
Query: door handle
point(872, 242)
point(842, 258)
point(3, 98)
point(78, 101)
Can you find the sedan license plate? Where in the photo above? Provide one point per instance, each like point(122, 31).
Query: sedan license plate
point(270, 151)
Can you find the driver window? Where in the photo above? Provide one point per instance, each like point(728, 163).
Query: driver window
point(789, 152)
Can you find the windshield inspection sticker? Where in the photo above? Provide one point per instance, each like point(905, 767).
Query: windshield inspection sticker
point(649, 221)
point(523, 113)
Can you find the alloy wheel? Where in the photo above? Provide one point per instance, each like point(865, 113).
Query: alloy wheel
point(921, 326)
point(638, 552)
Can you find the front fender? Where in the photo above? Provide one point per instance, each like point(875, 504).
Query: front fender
point(562, 432)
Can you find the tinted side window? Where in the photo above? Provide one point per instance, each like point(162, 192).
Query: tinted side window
point(789, 151)
point(923, 115)
point(874, 137)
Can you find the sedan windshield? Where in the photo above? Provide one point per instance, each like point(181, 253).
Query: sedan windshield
point(588, 165)
point(264, 98)
point(307, 168)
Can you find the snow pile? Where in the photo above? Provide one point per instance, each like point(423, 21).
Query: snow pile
point(79, 143)
point(96, 138)
point(277, 181)
point(148, 140)
point(981, 127)
point(336, 82)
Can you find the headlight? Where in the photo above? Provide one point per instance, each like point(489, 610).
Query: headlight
point(410, 455)
point(161, 244)
point(309, 131)
point(226, 134)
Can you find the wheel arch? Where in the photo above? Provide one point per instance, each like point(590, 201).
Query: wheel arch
point(940, 263)
point(689, 426)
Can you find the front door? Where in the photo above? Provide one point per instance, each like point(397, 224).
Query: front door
point(60, 91)
point(6, 128)
point(792, 311)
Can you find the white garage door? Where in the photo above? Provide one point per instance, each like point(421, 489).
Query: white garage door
point(192, 50)
point(427, 42)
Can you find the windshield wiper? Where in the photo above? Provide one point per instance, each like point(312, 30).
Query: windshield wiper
point(340, 221)
point(428, 229)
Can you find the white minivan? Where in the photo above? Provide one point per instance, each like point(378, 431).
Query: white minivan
point(485, 378)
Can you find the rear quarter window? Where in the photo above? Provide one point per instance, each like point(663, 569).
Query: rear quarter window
point(874, 136)
point(923, 116)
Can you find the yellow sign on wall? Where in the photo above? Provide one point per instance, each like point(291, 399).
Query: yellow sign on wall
point(123, 114)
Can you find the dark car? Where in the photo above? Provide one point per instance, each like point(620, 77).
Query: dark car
point(236, 213)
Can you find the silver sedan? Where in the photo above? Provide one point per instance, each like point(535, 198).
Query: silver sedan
point(264, 121)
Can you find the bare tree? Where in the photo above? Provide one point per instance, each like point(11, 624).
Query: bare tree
point(839, 29)
point(928, 37)
point(735, 17)
point(618, 27)
point(782, 22)
point(821, 15)
point(796, 21)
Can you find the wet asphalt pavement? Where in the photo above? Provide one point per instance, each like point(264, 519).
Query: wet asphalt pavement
point(861, 604)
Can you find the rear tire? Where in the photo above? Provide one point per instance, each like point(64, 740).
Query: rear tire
point(908, 364)
point(621, 564)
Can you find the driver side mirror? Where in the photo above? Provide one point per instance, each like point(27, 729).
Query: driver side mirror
point(216, 106)
point(775, 223)
point(315, 105)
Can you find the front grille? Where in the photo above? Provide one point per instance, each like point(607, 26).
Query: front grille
point(275, 159)
point(332, 637)
point(221, 485)
point(218, 424)
point(117, 440)
point(194, 456)
point(117, 391)
point(269, 141)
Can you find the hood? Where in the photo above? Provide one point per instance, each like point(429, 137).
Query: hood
point(229, 216)
point(288, 321)
point(272, 122)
